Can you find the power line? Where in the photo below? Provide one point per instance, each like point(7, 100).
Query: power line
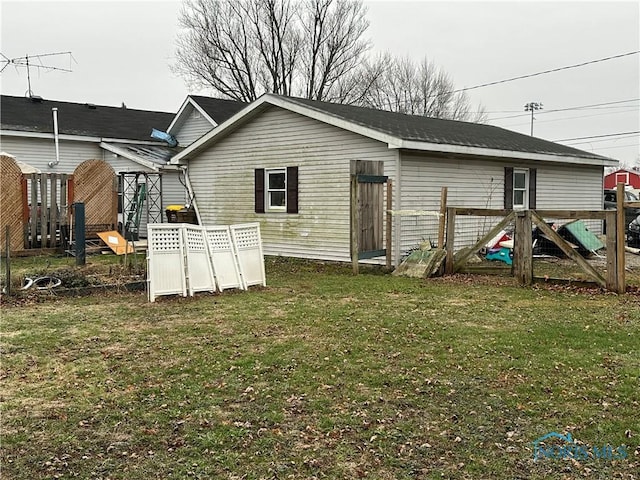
point(546, 71)
point(597, 136)
point(572, 108)
point(622, 137)
point(561, 119)
point(616, 146)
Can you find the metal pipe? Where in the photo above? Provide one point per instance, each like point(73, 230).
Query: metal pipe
point(55, 137)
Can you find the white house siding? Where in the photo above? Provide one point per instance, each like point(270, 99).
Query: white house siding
point(38, 152)
point(192, 128)
point(223, 181)
point(470, 183)
point(480, 184)
point(572, 187)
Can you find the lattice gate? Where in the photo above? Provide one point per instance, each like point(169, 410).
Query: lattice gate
point(95, 185)
point(11, 204)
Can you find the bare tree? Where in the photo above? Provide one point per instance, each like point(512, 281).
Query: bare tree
point(243, 48)
point(333, 45)
point(401, 85)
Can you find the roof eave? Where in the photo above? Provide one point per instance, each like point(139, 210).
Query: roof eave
point(74, 138)
point(393, 142)
point(495, 153)
point(189, 101)
point(129, 156)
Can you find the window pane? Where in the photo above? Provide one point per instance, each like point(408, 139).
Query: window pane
point(276, 181)
point(518, 198)
point(519, 180)
point(276, 199)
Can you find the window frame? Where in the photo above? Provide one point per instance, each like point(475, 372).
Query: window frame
point(525, 190)
point(267, 190)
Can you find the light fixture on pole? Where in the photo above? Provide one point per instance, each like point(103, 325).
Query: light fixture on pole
point(532, 107)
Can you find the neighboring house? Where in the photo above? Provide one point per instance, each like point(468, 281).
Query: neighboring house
point(285, 162)
point(628, 177)
point(198, 115)
point(117, 135)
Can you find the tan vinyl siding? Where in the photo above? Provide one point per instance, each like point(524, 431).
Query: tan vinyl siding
point(480, 184)
point(173, 192)
point(38, 152)
point(470, 183)
point(192, 128)
point(223, 180)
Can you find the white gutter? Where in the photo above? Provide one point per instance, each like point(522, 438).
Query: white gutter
point(55, 138)
point(192, 195)
point(75, 138)
point(130, 156)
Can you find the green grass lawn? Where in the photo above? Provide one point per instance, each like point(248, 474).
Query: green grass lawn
point(321, 375)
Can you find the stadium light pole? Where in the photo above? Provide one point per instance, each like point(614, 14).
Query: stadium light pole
point(532, 107)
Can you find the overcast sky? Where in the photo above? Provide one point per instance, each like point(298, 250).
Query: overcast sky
point(122, 52)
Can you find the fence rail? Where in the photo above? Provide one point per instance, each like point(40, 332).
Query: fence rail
point(524, 223)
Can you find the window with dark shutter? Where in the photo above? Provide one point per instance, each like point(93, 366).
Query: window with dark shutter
point(532, 188)
point(292, 189)
point(259, 190)
point(520, 185)
point(276, 190)
point(508, 188)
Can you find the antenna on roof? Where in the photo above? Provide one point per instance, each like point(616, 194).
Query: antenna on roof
point(28, 62)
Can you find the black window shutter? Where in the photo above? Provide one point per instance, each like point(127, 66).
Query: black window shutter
point(532, 188)
point(508, 188)
point(292, 189)
point(259, 190)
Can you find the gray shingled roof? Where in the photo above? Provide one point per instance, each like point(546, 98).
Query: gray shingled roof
point(23, 114)
point(217, 108)
point(440, 131)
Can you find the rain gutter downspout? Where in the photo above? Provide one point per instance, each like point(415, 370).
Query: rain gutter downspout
point(56, 138)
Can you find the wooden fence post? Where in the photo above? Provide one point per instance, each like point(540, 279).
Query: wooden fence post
point(523, 249)
point(355, 227)
point(451, 230)
point(612, 252)
point(442, 219)
point(620, 239)
point(8, 260)
point(389, 222)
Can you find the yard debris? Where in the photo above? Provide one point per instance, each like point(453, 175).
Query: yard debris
point(116, 242)
point(500, 248)
point(576, 232)
point(424, 262)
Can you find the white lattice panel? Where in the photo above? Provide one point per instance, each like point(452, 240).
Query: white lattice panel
point(199, 269)
point(223, 257)
point(248, 244)
point(165, 260)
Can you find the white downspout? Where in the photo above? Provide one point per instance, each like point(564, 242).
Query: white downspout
point(191, 194)
point(55, 137)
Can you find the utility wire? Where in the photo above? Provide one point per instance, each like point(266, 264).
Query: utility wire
point(546, 71)
point(603, 140)
point(570, 108)
point(598, 136)
point(561, 119)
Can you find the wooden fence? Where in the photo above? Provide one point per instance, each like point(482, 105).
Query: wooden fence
point(46, 209)
point(36, 207)
point(525, 221)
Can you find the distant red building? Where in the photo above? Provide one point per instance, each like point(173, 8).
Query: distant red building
point(628, 177)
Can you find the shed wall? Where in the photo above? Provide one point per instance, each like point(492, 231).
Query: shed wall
point(223, 180)
point(480, 184)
